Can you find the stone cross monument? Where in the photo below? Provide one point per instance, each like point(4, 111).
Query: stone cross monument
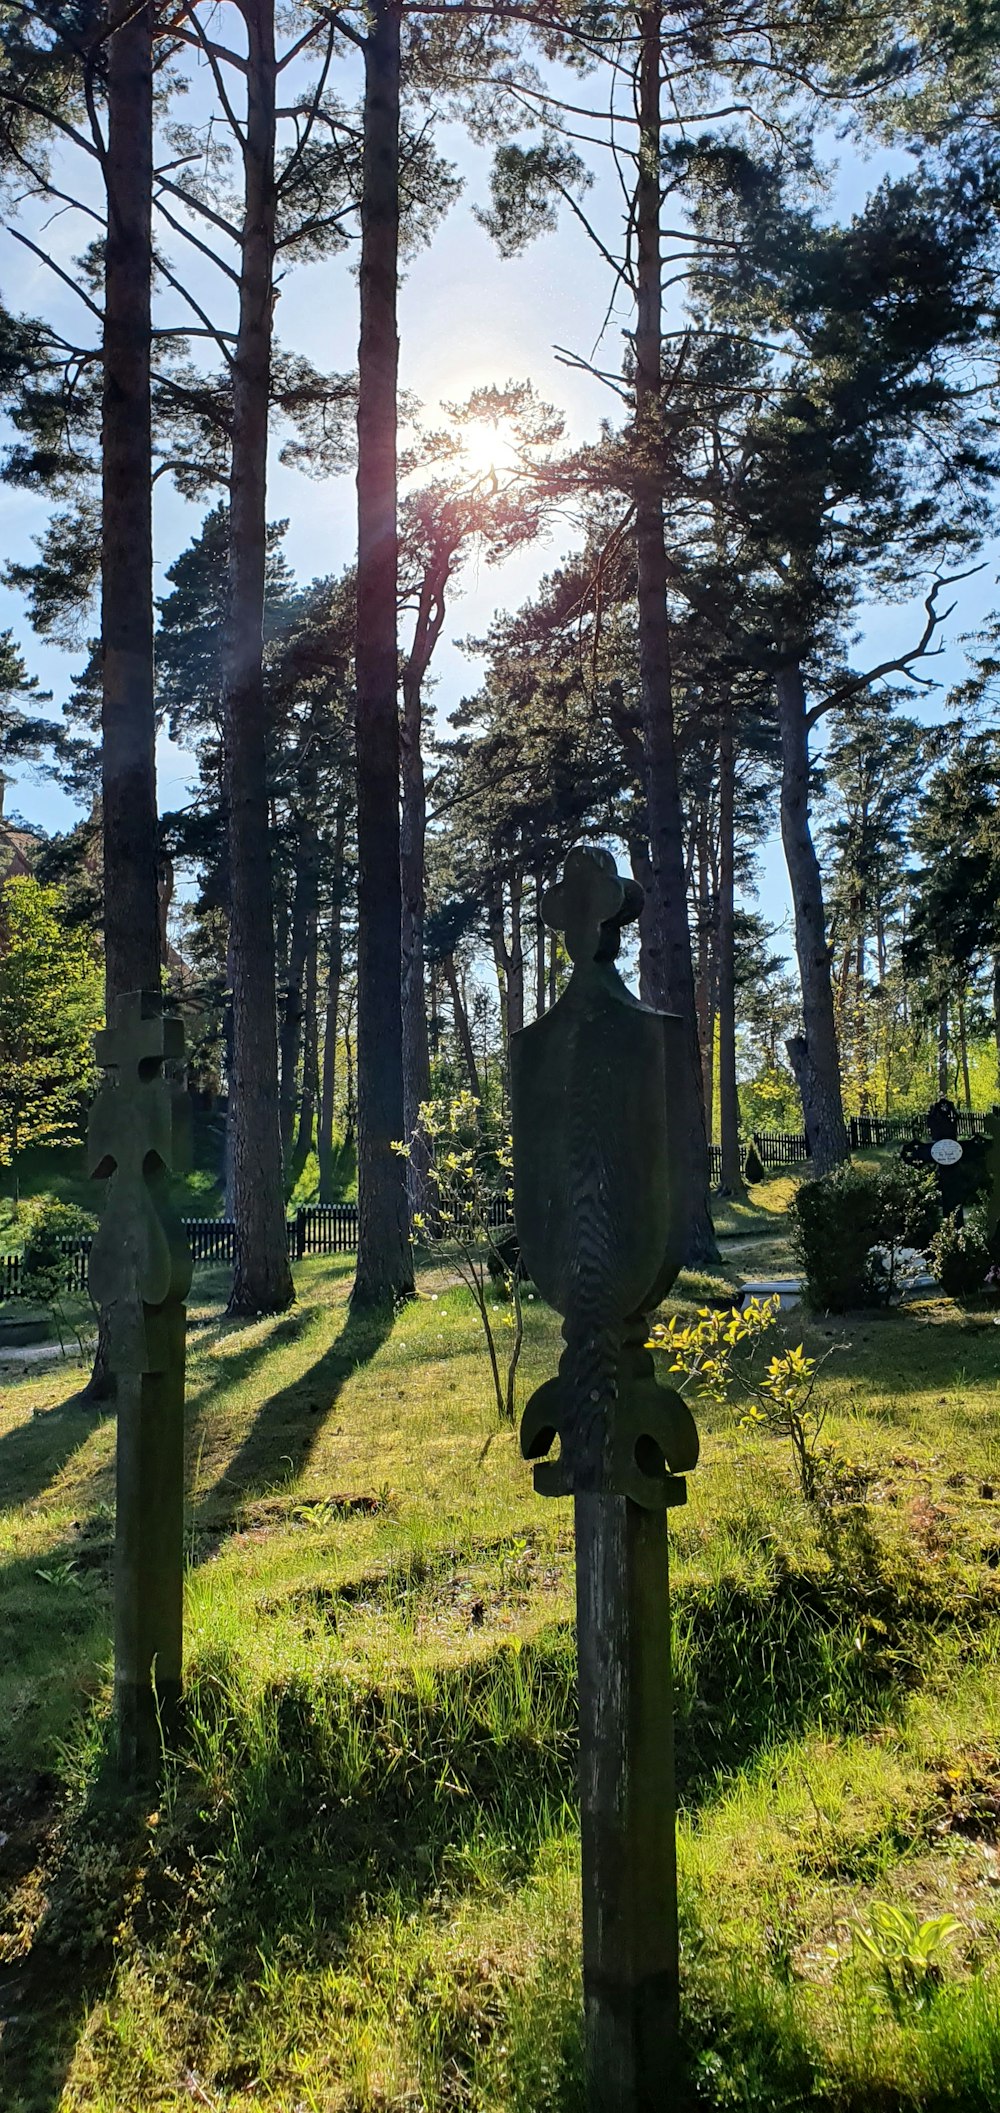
point(595, 1202)
point(140, 1272)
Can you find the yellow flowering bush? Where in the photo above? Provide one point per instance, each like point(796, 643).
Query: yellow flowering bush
point(720, 1357)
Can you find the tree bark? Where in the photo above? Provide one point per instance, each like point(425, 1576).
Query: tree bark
point(335, 970)
point(350, 1096)
point(996, 1014)
point(462, 1028)
point(704, 1006)
point(963, 1055)
point(302, 940)
point(668, 946)
point(815, 1060)
point(943, 1050)
point(132, 951)
point(731, 1182)
point(501, 955)
point(262, 1279)
point(385, 1266)
point(128, 761)
point(540, 936)
point(413, 829)
point(310, 1056)
point(515, 978)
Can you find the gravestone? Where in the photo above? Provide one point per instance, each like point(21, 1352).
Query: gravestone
point(960, 1167)
point(140, 1272)
point(596, 1207)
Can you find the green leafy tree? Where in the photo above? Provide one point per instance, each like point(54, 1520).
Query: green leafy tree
point(51, 1004)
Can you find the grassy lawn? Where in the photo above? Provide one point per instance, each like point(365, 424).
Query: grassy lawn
point(60, 1171)
point(358, 1889)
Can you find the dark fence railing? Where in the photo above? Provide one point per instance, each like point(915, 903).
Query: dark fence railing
point(870, 1131)
point(318, 1229)
point(332, 1228)
point(780, 1148)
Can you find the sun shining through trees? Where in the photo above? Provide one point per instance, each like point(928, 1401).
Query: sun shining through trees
point(491, 450)
point(760, 431)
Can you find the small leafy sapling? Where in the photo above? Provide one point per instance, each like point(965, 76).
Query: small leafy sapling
point(904, 1955)
point(468, 1224)
point(53, 1229)
point(719, 1357)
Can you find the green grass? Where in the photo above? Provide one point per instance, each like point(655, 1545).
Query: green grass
point(61, 1171)
point(357, 1889)
point(754, 1236)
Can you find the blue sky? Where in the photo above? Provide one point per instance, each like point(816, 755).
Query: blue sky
point(467, 318)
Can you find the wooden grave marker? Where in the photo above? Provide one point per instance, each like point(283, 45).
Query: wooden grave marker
point(140, 1273)
point(596, 1207)
point(959, 1169)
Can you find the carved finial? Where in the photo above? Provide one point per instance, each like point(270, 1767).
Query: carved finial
point(590, 904)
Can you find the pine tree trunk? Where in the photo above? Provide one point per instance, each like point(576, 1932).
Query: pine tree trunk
point(704, 1008)
point(501, 956)
point(302, 938)
point(813, 1056)
point(540, 936)
point(310, 1056)
point(413, 829)
point(642, 871)
point(350, 1096)
point(462, 1028)
point(128, 758)
point(963, 1054)
point(996, 1014)
point(669, 945)
point(335, 970)
point(731, 1183)
point(515, 981)
point(943, 1051)
point(385, 1266)
point(128, 767)
point(262, 1279)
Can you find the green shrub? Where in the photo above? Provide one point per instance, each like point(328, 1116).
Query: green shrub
point(836, 1224)
point(49, 1226)
point(910, 1205)
point(960, 1258)
point(850, 1227)
point(50, 1229)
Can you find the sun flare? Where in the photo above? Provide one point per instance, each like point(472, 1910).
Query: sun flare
point(489, 446)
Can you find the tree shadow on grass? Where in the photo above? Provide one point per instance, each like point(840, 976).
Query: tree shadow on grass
point(297, 1814)
point(89, 1859)
point(34, 1451)
point(288, 1424)
point(297, 1817)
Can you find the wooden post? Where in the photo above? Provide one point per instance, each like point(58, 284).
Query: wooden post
point(140, 1271)
point(627, 1803)
point(598, 1216)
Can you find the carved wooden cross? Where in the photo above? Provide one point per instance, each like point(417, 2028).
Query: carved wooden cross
point(596, 1205)
point(140, 1272)
point(959, 1168)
